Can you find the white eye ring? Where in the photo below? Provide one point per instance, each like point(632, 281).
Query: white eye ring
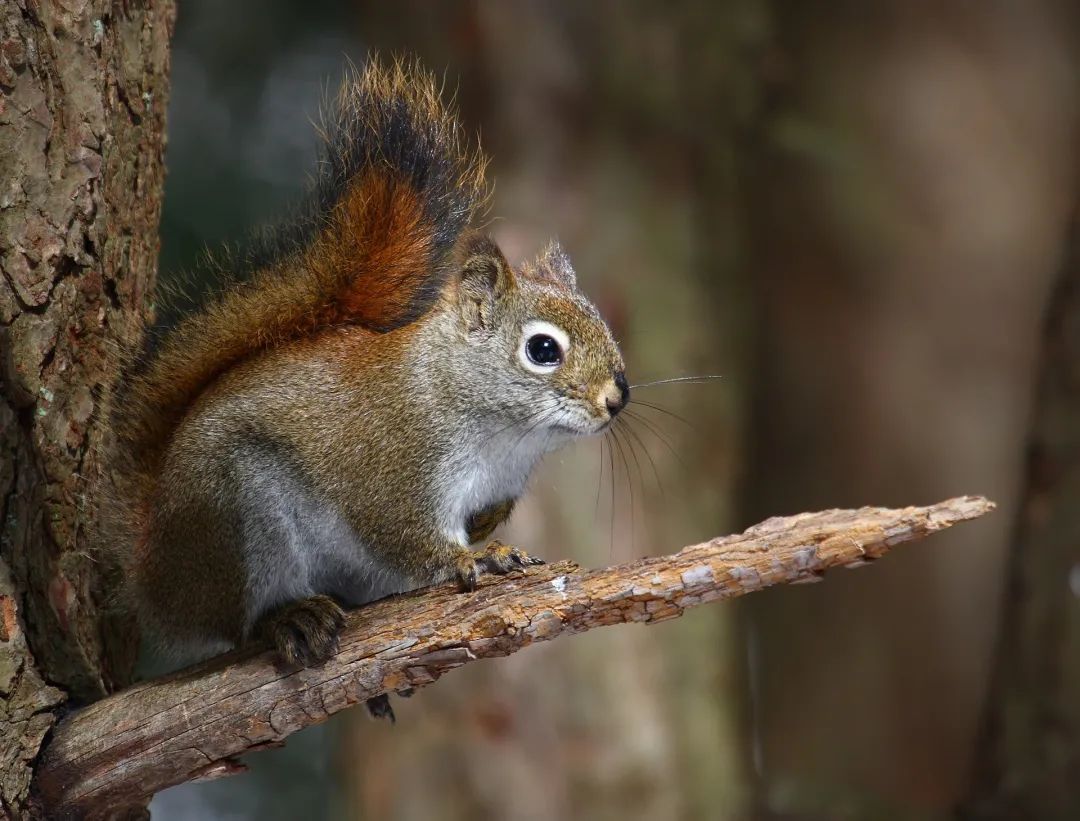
point(540, 327)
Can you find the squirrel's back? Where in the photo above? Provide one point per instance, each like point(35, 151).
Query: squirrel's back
point(397, 185)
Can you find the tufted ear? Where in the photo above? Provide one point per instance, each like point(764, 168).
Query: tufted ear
point(485, 277)
point(553, 265)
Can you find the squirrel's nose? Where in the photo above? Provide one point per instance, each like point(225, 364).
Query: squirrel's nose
point(617, 400)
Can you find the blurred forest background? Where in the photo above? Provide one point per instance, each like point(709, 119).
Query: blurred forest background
point(855, 212)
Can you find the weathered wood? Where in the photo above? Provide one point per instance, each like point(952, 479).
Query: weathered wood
point(193, 723)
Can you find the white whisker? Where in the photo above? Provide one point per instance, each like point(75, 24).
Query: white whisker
point(673, 380)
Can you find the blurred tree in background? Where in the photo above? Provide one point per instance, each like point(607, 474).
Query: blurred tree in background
point(1028, 756)
point(908, 198)
point(855, 216)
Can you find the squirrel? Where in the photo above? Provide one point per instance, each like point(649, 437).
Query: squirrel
point(348, 420)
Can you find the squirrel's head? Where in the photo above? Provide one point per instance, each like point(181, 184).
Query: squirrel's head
point(549, 359)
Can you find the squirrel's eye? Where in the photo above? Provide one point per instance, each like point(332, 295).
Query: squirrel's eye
point(543, 347)
point(544, 350)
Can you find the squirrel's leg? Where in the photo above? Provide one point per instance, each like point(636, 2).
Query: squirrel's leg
point(482, 523)
point(496, 557)
point(305, 631)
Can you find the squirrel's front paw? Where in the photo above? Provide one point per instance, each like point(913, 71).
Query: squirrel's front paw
point(305, 632)
point(496, 558)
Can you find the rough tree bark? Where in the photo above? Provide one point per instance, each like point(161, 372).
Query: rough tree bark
point(193, 723)
point(1028, 761)
point(84, 86)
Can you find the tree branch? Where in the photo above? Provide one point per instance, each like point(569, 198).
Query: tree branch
point(193, 723)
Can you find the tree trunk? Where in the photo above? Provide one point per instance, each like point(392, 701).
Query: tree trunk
point(1029, 758)
point(82, 115)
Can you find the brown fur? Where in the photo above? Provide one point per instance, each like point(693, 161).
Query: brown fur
point(347, 422)
point(370, 263)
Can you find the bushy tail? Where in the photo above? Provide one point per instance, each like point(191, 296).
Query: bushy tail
point(397, 185)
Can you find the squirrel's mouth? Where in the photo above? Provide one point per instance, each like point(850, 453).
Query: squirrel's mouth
point(585, 427)
point(576, 419)
point(603, 427)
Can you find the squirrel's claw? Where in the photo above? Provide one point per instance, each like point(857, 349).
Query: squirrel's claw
point(502, 558)
point(468, 571)
point(305, 632)
point(497, 558)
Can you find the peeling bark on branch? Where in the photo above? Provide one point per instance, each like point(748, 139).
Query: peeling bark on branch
point(193, 723)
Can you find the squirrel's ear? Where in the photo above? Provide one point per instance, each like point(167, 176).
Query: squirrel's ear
point(485, 277)
point(553, 265)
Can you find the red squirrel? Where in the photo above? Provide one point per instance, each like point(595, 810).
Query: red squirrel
point(346, 422)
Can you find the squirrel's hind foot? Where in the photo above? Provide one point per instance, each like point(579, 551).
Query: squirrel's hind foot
point(496, 558)
point(305, 632)
point(379, 708)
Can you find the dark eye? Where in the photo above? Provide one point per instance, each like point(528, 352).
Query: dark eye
point(543, 350)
